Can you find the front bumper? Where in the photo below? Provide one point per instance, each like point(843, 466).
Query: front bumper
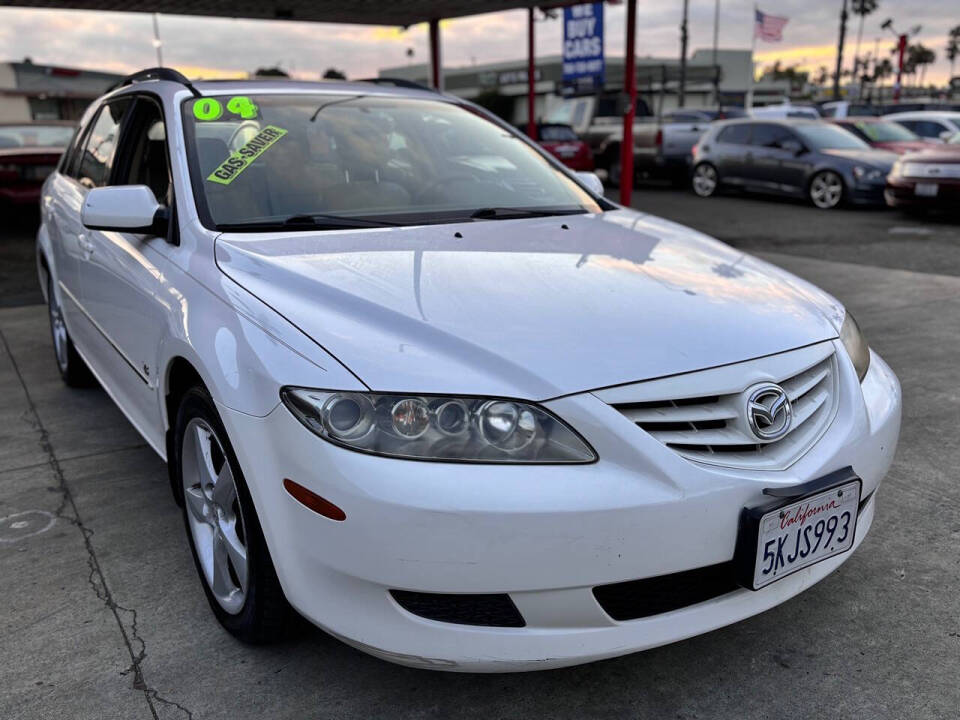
point(902, 193)
point(547, 535)
point(865, 193)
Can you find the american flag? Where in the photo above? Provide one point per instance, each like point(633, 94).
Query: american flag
point(769, 27)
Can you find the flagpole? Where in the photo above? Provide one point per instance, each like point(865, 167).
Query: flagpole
point(753, 47)
point(716, 35)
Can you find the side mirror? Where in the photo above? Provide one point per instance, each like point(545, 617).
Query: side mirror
point(946, 135)
point(592, 182)
point(125, 208)
point(794, 147)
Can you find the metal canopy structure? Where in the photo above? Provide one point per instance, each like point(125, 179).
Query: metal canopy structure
point(379, 12)
point(358, 12)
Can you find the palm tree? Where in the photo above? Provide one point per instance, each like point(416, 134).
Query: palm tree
point(925, 57)
point(882, 70)
point(861, 8)
point(953, 47)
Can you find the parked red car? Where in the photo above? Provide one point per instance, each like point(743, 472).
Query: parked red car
point(28, 153)
point(929, 179)
point(884, 134)
point(562, 142)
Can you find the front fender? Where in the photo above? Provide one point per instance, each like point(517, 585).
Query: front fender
point(243, 351)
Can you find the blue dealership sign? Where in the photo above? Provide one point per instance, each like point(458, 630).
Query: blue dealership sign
point(583, 65)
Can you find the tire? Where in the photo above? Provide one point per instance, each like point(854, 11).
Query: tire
point(826, 190)
point(223, 530)
point(73, 369)
point(705, 181)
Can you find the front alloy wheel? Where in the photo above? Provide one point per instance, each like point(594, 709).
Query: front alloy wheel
point(214, 516)
point(229, 550)
point(705, 181)
point(826, 190)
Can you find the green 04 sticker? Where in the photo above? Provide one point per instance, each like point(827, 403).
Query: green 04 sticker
point(207, 109)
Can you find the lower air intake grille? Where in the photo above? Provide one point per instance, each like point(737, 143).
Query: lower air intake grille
point(652, 596)
point(468, 609)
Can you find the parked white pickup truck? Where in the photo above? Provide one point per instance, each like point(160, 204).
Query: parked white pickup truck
point(661, 146)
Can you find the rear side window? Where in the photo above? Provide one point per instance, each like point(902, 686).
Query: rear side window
point(924, 128)
point(769, 135)
point(96, 159)
point(735, 134)
point(557, 133)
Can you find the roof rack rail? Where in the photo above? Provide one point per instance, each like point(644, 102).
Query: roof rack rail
point(159, 73)
point(398, 82)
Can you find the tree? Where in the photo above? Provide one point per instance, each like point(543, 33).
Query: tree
point(923, 57)
point(334, 74)
point(823, 75)
point(270, 72)
point(953, 47)
point(861, 8)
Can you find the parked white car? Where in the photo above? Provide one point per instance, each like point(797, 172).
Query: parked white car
point(785, 110)
point(415, 379)
point(929, 124)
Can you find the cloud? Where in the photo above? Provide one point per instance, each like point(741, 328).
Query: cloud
point(122, 42)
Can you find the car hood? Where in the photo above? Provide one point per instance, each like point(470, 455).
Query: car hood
point(532, 308)
point(943, 154)
point(875, 158)
point(903, 146)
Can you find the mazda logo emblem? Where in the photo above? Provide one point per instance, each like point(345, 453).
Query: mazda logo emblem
point(769, 412)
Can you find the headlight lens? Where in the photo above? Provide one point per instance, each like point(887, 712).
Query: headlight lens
point(867, 173)
point(424, 427)
point(856, 345)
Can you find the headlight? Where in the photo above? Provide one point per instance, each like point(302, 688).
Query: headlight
point(856, 345)
point(425, 427)
point(897, 169)
point(867, 174)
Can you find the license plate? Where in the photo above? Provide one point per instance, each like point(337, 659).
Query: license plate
point(926, 189)
point(803, 532)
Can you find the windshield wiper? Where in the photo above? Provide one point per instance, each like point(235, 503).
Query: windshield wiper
point(309, 222)
point(507, 213)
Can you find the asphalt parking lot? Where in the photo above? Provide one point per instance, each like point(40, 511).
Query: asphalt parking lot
point(103, 615)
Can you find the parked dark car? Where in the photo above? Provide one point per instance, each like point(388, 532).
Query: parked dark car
point(28, 153)
point(884, 134)
point(562, 142)
point(799, 158)
point(930, 179)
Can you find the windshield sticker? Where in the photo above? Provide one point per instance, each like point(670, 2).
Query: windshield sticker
point(208, 109)
point(240, 160)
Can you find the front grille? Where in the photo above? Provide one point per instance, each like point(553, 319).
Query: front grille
point(490, 610)
point(636, 599)
point(702, 415)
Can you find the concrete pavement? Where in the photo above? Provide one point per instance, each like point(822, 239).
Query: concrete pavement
point(103, 615)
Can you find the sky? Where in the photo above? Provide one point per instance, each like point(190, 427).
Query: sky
point(202, 47)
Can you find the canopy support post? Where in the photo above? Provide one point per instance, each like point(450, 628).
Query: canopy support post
point(630, 90)
point(436, 70)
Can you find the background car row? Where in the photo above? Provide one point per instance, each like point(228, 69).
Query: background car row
point(783, 150)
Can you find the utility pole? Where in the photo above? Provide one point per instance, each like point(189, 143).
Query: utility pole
point(681, 100)
point(716, 36)
point(156, 40)
point(843, 35)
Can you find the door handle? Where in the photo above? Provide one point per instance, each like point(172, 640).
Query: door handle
point(85, 245)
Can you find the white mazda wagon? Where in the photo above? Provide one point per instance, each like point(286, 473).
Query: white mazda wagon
point(421, 384)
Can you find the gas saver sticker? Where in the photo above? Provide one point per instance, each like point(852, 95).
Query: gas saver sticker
point(230, 168)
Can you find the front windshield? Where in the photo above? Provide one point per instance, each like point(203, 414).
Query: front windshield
point(885, 132)
point(12, 136)
point(829, 137)
point(265, 159)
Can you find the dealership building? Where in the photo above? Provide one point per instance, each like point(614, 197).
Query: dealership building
point(30, 92)
point(503, 86)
